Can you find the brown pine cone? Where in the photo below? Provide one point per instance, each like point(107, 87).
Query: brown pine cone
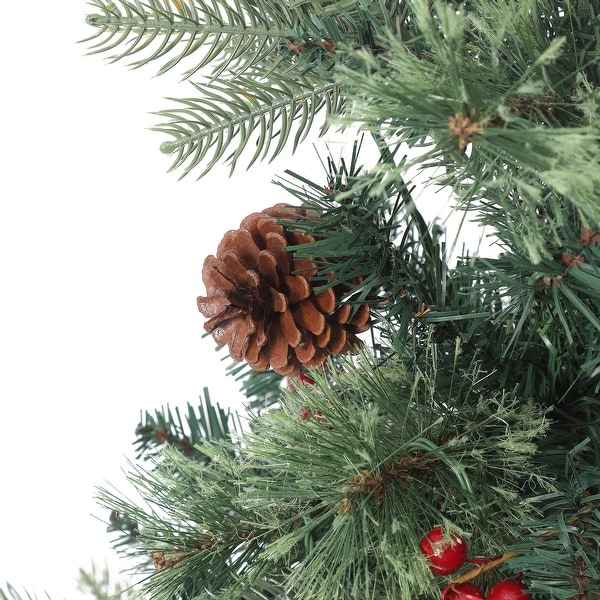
point(260, 301)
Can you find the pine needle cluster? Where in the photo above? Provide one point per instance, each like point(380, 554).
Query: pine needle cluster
point(329, 495)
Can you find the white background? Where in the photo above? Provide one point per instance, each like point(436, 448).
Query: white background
point(101, 253)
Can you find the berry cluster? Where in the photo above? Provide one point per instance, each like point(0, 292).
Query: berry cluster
point(447, 553)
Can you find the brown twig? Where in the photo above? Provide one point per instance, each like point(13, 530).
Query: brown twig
point(492, 564)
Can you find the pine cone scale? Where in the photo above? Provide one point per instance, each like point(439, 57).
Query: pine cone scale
point(298, 288)
point(213, 279)
point(278, 348)
point(343, 313)
point(280, 301)
point(214, 305)
point(237, 271)
point(276, 245)
point(241, 243)
point(362, 319)
point(267, 226)
point(306, 351)
point(337, 341)
point(325, 301)
point(324, 338)
point(305, 268)
point(257, 357)
point(221, 329)
point(238, 342)
point(267, 267)
point(289, 329)
point(307, 316)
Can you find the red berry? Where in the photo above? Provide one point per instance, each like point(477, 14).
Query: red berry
point(305, 412)
point(445, 554)
point(463, 591)
point(302, 378)
point(509, 589)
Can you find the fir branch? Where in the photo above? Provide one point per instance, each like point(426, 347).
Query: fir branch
point(278, 60)
point(380, 248)
point(222, 32)
point(350, 547)
point(228, 36)
point(455, 88)
point(380, 452)
point(248, 109)
point(191, 519)
point(167, 426)
point(560, 553)
point(543, 333)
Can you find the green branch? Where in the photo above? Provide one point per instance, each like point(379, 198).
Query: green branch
point(218, 31)
point(229, 112)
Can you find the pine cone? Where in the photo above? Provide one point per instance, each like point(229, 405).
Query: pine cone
point(260, 301)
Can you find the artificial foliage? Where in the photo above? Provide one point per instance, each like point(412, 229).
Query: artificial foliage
point(394, 386)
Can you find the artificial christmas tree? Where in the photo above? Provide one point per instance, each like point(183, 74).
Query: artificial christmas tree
point(431, 392)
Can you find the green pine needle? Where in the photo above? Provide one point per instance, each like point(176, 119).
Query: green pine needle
point(331, 477)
